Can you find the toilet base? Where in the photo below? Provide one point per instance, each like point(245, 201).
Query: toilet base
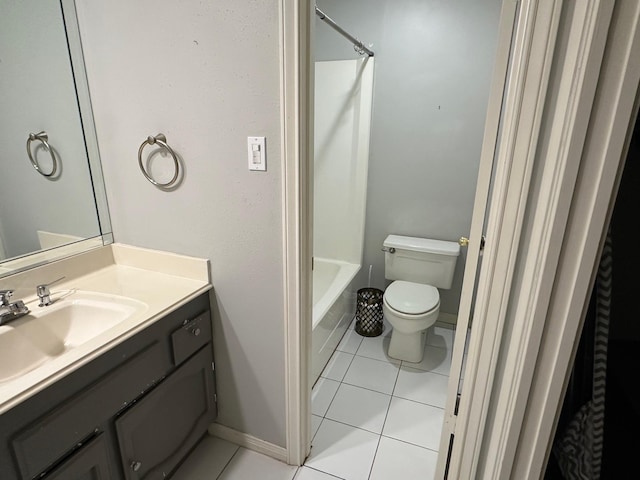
point(407, 346)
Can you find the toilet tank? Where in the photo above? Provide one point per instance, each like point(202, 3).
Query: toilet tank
point(420, 260)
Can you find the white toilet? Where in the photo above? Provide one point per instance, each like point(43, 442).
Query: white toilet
point(411, 303)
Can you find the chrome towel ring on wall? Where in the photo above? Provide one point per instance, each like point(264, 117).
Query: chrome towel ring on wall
point(43, 138)
point(161, 140)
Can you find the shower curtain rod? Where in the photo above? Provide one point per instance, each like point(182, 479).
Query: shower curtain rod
point(358, 46)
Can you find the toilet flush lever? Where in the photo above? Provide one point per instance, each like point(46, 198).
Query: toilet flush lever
point(389, 249)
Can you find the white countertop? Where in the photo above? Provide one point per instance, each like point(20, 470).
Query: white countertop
point(162, 281)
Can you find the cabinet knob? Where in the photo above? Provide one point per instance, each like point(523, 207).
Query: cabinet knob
point(195, 331)
point(135, 466)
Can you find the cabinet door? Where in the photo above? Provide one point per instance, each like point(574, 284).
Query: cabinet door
point(91, 462)
point(52, 436)
point(158, 431)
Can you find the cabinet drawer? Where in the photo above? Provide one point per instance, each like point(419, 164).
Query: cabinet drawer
point(189, 338)
point(58, 432)
point(91, 462)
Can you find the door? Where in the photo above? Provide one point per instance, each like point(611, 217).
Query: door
point(476, 240)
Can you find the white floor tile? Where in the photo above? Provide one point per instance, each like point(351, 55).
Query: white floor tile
point(350, 342)
point(422, 386)
point(337, 366)
point(344, 451)
point(414, 422)
point(207, 460)
point(441, 337)
point(359, 407)
point(376, 348)
point(315, 424)
point(247, 464)
point(322, 394)
point(398, 460)
point(306, 473)
point(372, 374)
point(436, 360)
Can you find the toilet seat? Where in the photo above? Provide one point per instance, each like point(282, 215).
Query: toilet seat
point(411, 298)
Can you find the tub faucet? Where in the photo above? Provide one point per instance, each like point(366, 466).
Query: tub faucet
point(10, 310)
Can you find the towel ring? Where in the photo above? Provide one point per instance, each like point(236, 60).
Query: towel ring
point(161, 140)
point(43, 138)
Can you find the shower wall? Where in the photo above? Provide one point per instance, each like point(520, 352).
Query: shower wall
point(342, 117)
point(434, 60)
point(342, 122)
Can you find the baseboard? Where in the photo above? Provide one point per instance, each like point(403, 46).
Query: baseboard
point(249, 442)
point(447, 319)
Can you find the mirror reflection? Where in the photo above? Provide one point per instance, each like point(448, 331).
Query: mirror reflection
point(53, 204)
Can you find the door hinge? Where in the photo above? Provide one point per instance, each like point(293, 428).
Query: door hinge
point(213, 366)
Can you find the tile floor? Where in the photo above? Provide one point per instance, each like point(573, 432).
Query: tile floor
point(374, 418)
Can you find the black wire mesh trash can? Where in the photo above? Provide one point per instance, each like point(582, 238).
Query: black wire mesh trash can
point(369, 312)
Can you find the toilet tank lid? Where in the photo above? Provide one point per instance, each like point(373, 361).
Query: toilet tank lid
point(429, 245)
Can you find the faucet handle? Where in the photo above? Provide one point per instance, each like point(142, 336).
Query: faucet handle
point(43, 292)
point(5, 295)
point(44, 287)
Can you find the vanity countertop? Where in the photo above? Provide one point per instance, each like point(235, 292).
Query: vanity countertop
point(160, 281)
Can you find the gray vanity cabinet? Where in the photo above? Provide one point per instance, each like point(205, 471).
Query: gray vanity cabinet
point(132, 413)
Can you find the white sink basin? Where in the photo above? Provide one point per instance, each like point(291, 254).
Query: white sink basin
point(49, 332)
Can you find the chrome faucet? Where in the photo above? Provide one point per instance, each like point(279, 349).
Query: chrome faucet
point(44, 293)
point(10, 310)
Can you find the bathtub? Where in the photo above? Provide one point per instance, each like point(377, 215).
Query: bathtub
point(334, 304)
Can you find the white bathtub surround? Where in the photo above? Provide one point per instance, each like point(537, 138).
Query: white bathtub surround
point(343, 94)
point(333, 309)
point(342, 121)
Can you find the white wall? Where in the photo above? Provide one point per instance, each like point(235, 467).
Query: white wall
point(37, 93)
point(206, 74)
point(434, 60)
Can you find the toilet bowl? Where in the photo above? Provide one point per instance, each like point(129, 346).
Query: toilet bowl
point(411, 308)
point(411, 303)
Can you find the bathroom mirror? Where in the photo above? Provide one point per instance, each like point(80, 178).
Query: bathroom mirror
point(60, 207)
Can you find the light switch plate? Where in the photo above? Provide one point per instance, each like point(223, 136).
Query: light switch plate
point(257, 153)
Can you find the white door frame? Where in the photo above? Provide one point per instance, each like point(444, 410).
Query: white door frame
point(296, 93)
point(611, 123)
point(526, 95)
point(575, 57)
